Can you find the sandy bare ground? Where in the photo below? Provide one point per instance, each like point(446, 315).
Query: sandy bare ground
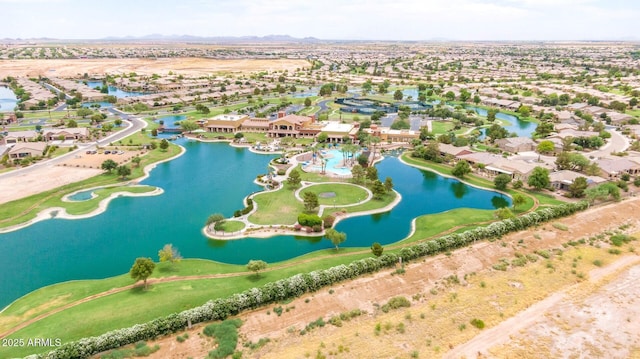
point(184, 66)
point(569, 325)
point(368, 292)
point(46, 178)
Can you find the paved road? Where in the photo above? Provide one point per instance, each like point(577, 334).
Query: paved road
point(323, 106)
point(617, 143)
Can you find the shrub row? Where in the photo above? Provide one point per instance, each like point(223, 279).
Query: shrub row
point(220, 309)
point(309, 220)
point(245, 210)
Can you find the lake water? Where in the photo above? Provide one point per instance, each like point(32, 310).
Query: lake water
point(114, 91)
point(8, 100)
point(518, 126)
point(208, 178)
point(170, 121)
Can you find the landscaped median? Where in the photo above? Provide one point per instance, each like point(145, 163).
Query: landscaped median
point(286, 282)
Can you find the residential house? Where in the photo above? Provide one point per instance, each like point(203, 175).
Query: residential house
point(446, 149)
point(20, 136)
point(518, 170)
point(561, 180)
point(66, 134)
point(27, 149)
point(386, 134)
point(614, 167)
point(516, 144)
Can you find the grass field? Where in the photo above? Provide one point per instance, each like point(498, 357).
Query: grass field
point(344, 193)
point(276, 207)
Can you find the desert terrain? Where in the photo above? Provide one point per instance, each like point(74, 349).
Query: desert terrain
point(561, 306)
point(185, 66)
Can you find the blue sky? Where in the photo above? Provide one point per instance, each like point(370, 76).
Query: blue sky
point(326, 19)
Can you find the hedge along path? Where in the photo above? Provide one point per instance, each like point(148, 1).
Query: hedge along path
point(214, 276)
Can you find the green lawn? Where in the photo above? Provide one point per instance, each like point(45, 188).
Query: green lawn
point(232, 226)
point(82, 207)
point(440, 127)
point(432, 224)
point(276, 207)
point(344, 193)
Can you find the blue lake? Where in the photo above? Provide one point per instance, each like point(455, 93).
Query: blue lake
point(114, 91)
point(8, 100)
point(208, 178)
point(518, 126)
point(170, 121)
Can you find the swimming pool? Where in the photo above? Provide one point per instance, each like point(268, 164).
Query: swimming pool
point(334, 163)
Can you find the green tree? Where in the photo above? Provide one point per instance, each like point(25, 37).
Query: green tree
point(117, 122)
point(545, 147)
point(503, 213)
point(501, 181)
point(335, 237)
point(294, 178)
point(577, 187)
point(496, 132)
point(377, 249)
point(213, 219)
point(539, 178)
point(322, 137)
point(307, 102)
point(84, 112)
point(461, 169)
point(142, 269)
point(518, 200)
point(491, 114)
point(154, 132)
point(169, 254)
point(372, 173)
point(397, 95)
point(358, 172)
point(164, 144)
point(72, 124)
point(450, 95)
point(378, 189)
point(136, 161)
point(189, 125)
point(109, 165)
point(388, 184)
point(123, 171)
point(571, 161)
point(310, 201)
point(256, 266)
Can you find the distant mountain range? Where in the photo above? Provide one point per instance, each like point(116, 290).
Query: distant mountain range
point(179, 38)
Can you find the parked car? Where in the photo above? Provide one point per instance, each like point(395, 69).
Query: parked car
point(107, 152)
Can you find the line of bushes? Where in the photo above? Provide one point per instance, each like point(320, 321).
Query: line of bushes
point(220, 309)
point(245, 210)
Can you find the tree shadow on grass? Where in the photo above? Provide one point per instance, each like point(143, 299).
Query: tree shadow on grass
point(168, 268)
point(139, 289)
point(253, 278)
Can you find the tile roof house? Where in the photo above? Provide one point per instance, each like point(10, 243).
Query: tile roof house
point(27, 149)
point(516, 144)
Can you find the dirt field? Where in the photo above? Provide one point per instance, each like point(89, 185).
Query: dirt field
point(95, 160)
point(72, 170)
point(184, 66)
point(574, 305)
point(46, 178)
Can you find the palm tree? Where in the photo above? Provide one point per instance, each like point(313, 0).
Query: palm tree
point(374, 140)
